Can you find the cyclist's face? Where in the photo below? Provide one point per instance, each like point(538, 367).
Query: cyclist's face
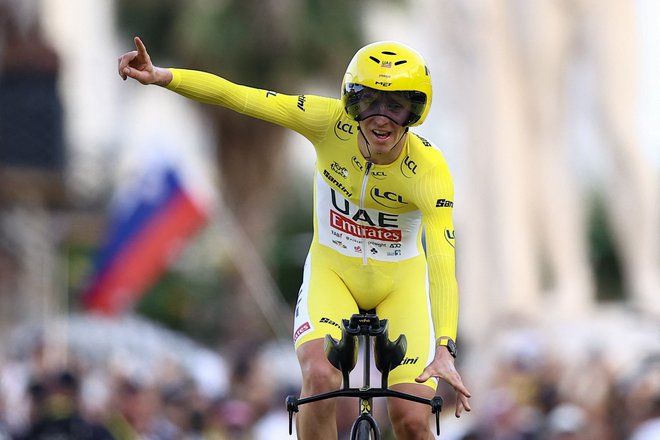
point(384, 137)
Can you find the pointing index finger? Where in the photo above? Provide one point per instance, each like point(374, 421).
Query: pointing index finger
point(141, 48)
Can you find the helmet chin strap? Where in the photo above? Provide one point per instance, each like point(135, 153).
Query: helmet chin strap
point(367, 142)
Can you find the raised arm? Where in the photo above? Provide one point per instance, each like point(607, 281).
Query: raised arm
point(311, 116)
point(137, 64)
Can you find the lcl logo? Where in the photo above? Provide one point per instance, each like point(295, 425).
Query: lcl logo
point(408, 167)
point(343, 130)
point(387, 198)
point(357, 164)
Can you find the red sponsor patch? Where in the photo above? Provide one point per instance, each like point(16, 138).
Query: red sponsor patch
point(300, 330)
point(350, 227)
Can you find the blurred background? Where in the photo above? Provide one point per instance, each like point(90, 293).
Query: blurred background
point(151, 248)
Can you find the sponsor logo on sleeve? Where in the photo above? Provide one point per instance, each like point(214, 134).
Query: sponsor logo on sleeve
point(344, 130)
point(301, 330)
point(450, 237)
point(301, 102)
point(408, 167)
point(426, 142)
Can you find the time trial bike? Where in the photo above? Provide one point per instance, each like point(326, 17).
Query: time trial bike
point(361, 329)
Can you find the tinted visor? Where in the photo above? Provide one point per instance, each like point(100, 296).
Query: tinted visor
point(402, 107)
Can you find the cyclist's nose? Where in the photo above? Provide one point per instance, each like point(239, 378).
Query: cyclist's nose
point(378, 120)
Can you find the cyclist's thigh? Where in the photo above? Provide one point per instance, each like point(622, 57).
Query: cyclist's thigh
point(323, 301)
point(408, 311)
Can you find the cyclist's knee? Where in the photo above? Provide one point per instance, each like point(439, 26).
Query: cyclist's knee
point(318, 373)
point(409, 420)
point(320, 376)
point(411, 425)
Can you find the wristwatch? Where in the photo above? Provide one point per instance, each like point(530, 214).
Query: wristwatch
point(449, 343)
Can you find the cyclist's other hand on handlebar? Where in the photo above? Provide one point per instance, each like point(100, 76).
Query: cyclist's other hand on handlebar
point(443, 368)
point(137, 64)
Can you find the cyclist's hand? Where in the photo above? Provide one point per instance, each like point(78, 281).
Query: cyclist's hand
point(137, 64)
point(443, 368)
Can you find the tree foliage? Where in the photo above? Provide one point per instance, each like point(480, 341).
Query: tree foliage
point(277, 42)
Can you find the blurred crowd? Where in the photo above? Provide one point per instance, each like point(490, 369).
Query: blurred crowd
point(551, 397)
point(86, 399)
point(526, 397)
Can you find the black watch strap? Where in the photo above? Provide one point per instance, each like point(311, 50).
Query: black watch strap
point(449, 343)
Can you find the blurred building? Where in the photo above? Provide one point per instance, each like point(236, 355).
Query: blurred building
point(32, 164)
point(32, 144)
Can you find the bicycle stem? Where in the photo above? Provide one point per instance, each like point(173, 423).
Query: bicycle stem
point(366, 403)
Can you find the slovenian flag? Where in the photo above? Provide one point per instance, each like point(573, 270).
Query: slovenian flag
point(152, 216)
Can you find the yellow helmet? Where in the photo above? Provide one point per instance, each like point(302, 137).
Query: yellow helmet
point(387, 66)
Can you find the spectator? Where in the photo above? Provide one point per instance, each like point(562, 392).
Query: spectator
point(56, 412)
point(137, 412)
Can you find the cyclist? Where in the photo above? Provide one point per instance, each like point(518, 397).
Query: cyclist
point(383, 230)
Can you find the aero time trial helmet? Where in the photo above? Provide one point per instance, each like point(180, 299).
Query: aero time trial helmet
point(390, 79)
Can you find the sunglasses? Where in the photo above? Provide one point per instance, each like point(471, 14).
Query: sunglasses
point(402, 107)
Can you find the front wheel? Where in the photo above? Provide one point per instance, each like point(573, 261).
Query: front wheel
point(365, 428)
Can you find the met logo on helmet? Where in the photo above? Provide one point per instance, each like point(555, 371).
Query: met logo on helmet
point(383, 83)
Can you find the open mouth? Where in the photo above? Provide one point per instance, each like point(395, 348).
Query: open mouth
point(381, 134)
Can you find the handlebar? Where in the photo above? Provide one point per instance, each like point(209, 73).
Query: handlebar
point(343, 355)
point(292, 402)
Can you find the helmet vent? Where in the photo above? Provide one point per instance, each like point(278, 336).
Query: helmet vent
point(374, 59)
point(398, 63)
point(387, 52)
